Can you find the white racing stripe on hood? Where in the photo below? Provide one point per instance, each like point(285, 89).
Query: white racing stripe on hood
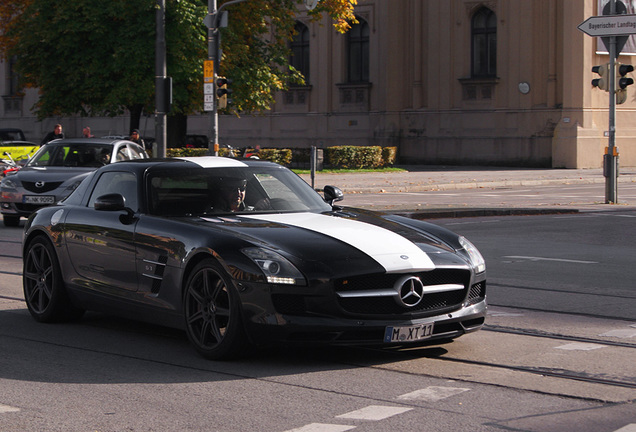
point(395, 253)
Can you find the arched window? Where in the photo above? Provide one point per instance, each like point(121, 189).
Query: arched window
point(299, 47)
point(484, 43)
point(358, 52)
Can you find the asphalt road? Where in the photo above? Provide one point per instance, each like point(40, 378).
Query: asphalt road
point(556, 354)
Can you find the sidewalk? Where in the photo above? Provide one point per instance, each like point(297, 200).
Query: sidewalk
point(468, 189)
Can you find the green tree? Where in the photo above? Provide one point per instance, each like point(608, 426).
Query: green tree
point(92, 57)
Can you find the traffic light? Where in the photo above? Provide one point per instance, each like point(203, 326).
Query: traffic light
point(222, 91)
point(603, 81)
point(623, 81)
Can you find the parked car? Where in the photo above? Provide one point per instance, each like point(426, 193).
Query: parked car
point(15, 154)
point(157, 240)
point(55, 170)
point(12, 134)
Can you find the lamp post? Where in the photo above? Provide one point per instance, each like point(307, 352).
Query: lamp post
point(161, 134)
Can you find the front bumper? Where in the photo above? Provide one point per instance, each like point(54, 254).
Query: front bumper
point(272, 322)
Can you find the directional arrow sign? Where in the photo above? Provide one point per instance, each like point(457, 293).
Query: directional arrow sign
point(609, 25)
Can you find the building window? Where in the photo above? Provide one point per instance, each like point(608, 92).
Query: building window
point(13, 97)
point(484, 43)
point(358, 52)
point(299, 48)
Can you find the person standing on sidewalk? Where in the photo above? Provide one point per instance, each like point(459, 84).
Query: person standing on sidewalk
point(136, 138)
point(56, 133)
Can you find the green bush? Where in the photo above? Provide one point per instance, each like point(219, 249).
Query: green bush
point(280, 156)
point(186, 152)
point(354, 157)
point(389, 155)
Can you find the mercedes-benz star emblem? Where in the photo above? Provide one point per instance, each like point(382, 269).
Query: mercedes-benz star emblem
point(410, 291)
point(39, 184)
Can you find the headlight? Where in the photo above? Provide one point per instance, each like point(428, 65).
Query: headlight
point(277, 268)
point(73, 186)
point(8, 183)
point(475, 257)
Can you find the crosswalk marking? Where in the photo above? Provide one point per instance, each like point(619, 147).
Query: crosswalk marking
point(433, 393)
point(7, 409)
point(628, 428)
point(322, 427)
point(374, 413)
point(621, 333)
point(580, 346)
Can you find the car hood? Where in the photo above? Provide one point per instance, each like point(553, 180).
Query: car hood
point(345, 239)
point(54, 174)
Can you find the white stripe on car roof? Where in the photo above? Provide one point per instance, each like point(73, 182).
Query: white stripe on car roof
point(394, 252)
point(213, 161)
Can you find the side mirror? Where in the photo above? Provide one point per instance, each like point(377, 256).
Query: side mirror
point(110, 202)
point(333, 194)
point(115, 202)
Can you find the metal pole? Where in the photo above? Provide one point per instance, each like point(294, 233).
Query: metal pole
point(161, 135)
point(610, 158)
point(213, 132)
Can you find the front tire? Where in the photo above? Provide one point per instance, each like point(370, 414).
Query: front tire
point(44, 290)
point(212, 313)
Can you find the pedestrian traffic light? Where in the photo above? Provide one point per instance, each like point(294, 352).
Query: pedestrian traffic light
point(623, 81)
point(222, 91)
point(603, 81)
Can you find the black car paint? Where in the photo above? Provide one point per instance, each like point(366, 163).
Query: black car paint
point(152, 258)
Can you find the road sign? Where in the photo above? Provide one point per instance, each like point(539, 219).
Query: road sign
point(609, 25)
point(208, 71)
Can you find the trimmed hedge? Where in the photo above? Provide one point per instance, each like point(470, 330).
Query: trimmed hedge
point(346, 157)
point(356, 157)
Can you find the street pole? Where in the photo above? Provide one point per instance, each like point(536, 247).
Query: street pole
point(161, 135)
point(213, 132)
point(610, 159)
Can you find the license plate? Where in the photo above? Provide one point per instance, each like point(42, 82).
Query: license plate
point(408, 333)
point(39, 199)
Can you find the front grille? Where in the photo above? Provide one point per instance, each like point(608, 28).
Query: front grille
point(387, 305)
point(477, 292)
point(47, 187)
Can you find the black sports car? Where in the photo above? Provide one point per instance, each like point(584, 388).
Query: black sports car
point(245, 252)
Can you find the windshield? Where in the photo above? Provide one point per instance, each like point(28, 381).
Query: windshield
point(213, 191)
point(72, 155)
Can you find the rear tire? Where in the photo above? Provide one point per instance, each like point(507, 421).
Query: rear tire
point(212, 313)
point(11, 221)
point(44, 290)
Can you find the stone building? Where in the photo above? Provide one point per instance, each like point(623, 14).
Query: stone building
point(496, 82)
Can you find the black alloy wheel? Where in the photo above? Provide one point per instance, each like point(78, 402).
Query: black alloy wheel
point(44, 290)
point(212, 313)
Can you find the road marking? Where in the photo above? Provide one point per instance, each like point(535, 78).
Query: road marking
point(496, 313)
point(623, 334)
point(579, 346)
point(628, 428)
point(374, 413)
point(433, 393)
point(530, 258)
point(8, 409)
point(322, 427)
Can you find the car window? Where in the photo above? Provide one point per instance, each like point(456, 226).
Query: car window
point(204, 191)
point(72, 155)
point(124, 183)
point(136, 152)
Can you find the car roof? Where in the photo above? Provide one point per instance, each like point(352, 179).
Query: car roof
point(17, 143)
point(88, 141)
point(159, 164)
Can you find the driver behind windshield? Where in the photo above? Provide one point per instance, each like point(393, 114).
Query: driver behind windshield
point(232, 194)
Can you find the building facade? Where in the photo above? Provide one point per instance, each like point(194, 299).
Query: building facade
point(497, 82)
